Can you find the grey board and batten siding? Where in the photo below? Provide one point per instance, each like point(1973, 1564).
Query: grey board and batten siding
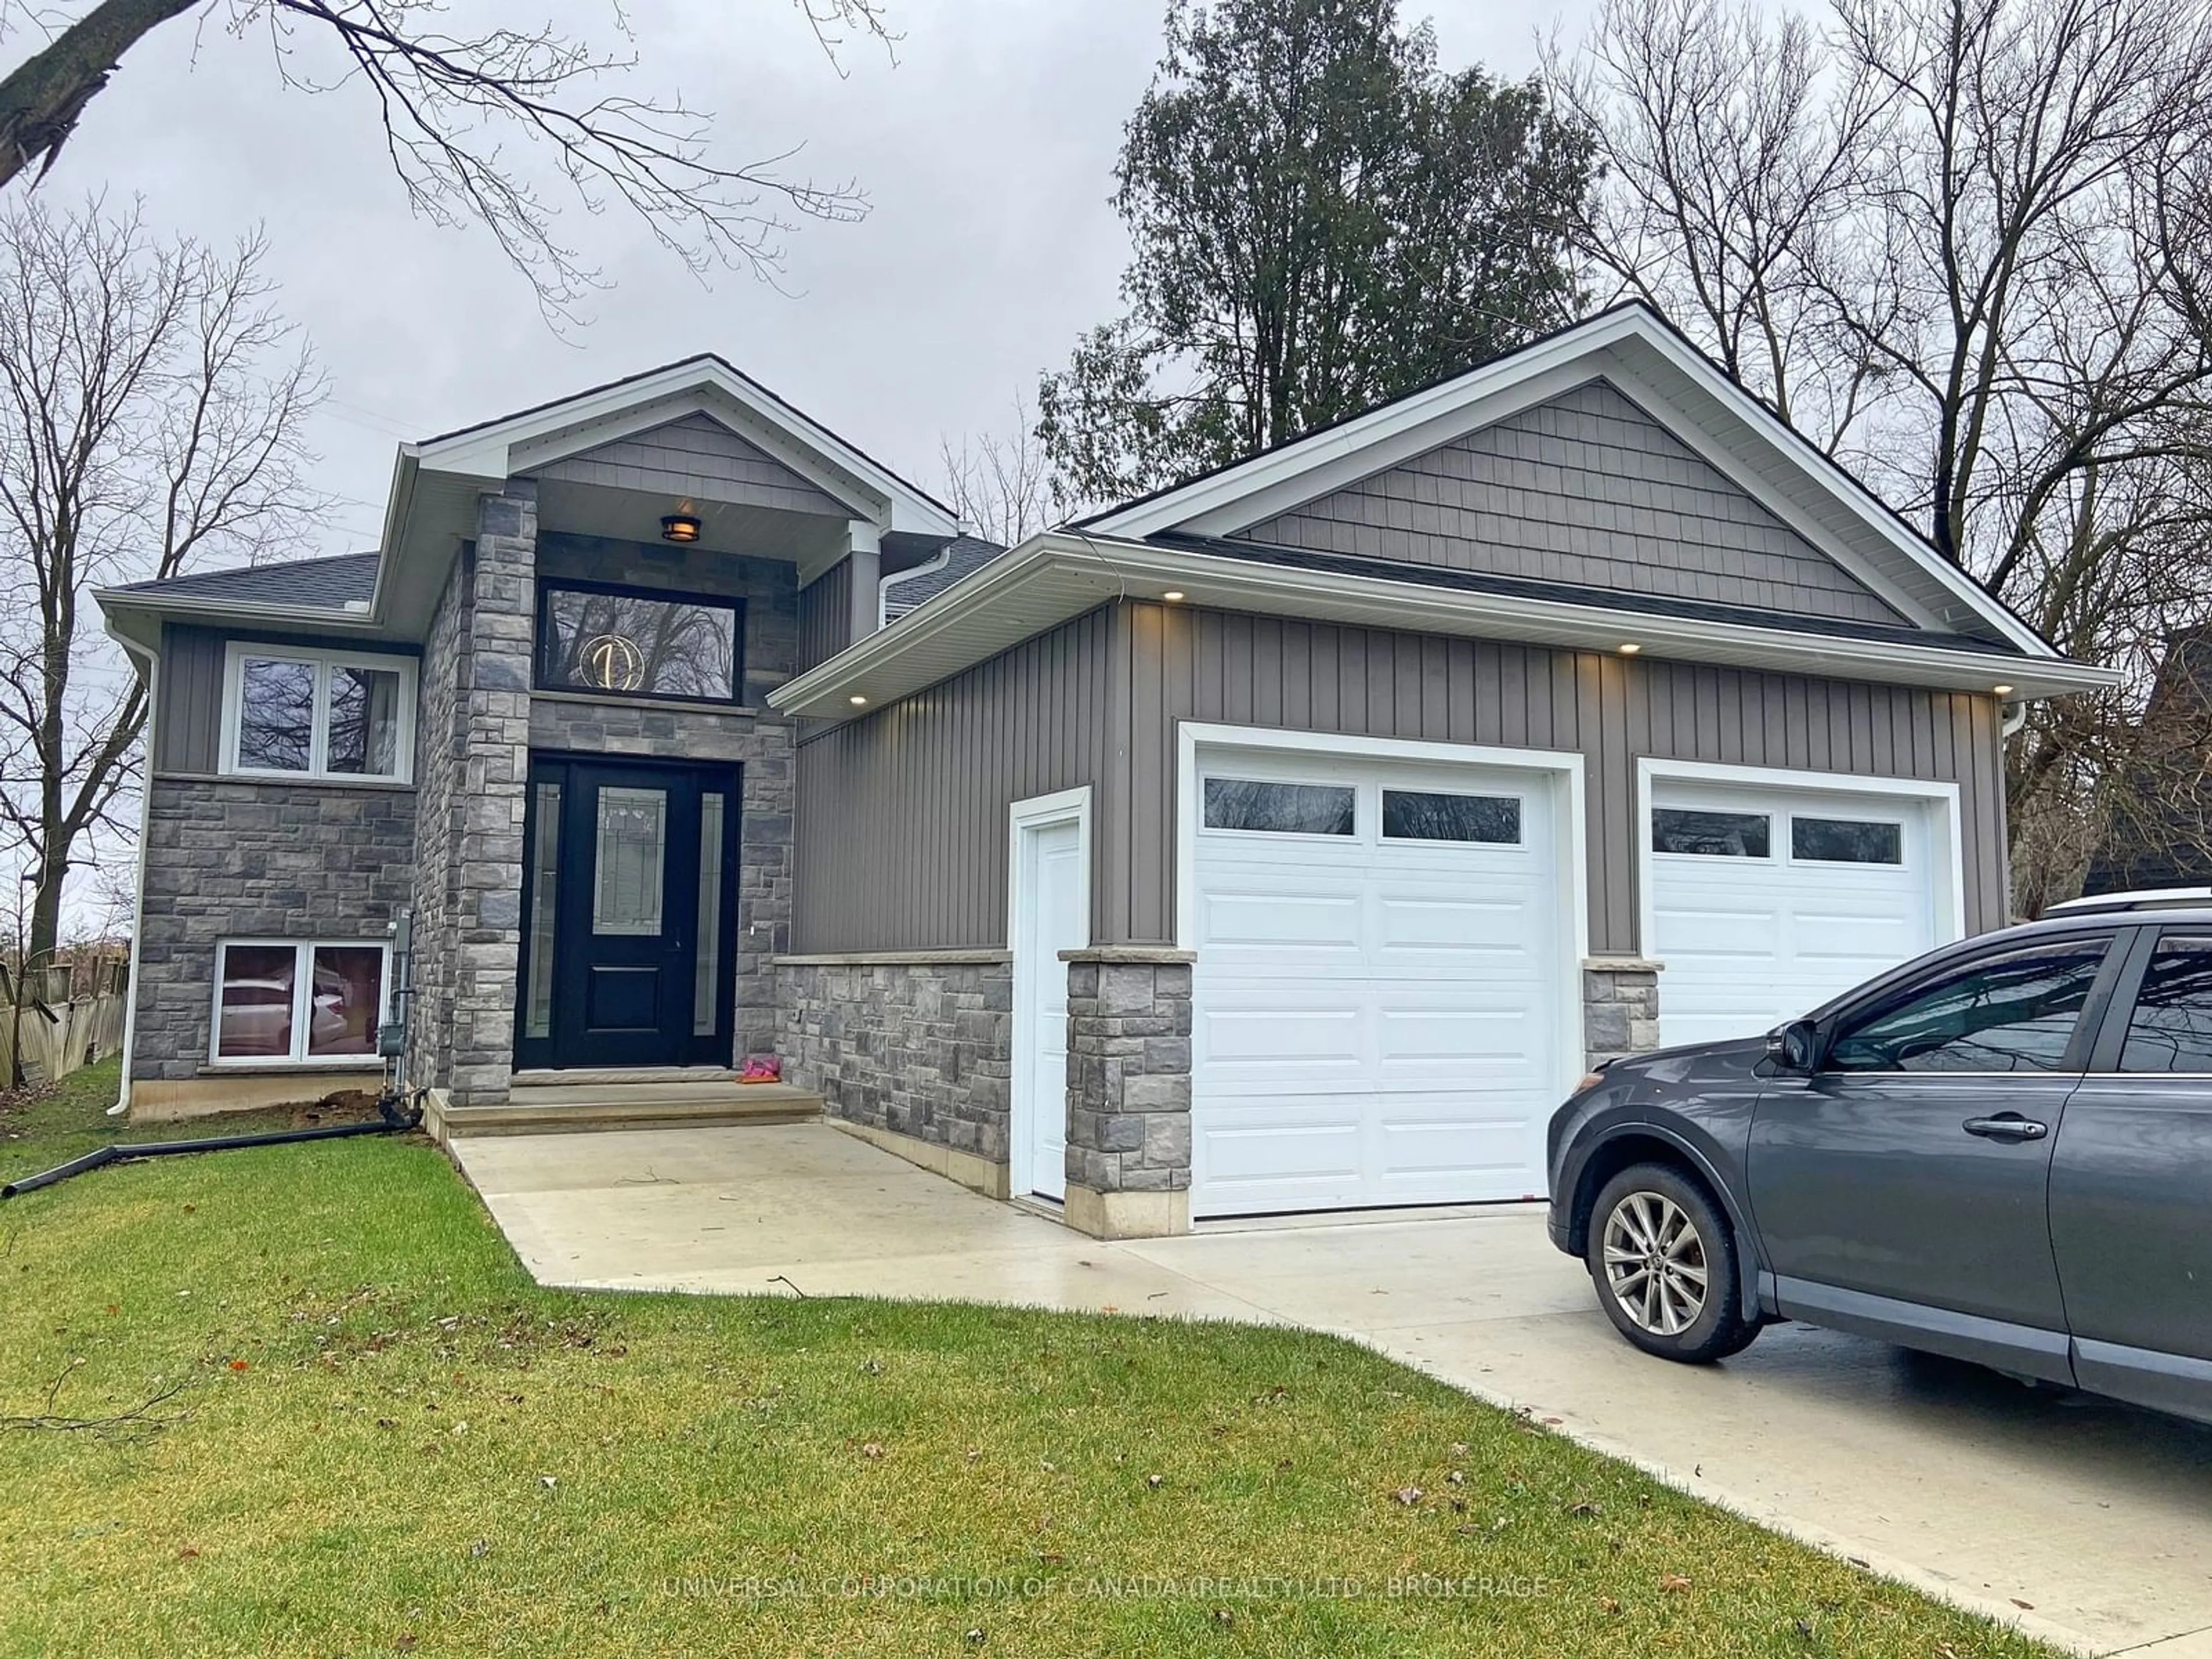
point(697, 456)
point(903, 830)
point(188, 696)
point(902, 822)
point(1585, 488)
point(1235, 669)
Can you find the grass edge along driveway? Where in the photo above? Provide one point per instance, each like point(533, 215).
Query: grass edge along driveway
point(375, 1434)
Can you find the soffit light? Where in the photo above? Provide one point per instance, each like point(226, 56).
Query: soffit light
point(1630, 648)
point(856, 699)
point(2002, 690)
point(1172, 595)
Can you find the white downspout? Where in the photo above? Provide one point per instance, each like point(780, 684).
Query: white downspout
point(153, 662)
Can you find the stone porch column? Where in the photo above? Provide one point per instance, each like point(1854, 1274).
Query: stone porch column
point(1128, 1091)
point(485, 845)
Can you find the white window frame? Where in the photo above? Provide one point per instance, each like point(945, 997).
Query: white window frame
point(303, 986)
point(241, 652)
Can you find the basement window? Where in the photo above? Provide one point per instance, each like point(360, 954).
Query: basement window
point(292, 1002)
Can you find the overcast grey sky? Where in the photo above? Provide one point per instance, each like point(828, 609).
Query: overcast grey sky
point(985, 150)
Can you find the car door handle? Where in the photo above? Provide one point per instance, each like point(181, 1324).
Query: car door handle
point(2006, 1125)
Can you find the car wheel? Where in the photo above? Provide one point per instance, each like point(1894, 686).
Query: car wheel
point(1663, 1257)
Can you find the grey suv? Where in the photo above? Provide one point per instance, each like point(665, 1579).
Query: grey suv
point(2002, 1152)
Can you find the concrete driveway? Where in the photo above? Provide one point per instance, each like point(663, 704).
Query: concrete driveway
point(2087, 1524)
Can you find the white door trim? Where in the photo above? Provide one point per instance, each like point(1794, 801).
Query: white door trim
point(1940, 800)
point(1571, 858)
point(1023, 819)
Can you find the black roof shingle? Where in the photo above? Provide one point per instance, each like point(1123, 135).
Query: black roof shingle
point(329, 584)
point(963, 557)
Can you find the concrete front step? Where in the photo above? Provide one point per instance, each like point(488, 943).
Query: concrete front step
point(570, 1107)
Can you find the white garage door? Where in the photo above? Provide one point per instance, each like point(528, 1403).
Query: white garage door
point(1377, 995)
point(1766, 901)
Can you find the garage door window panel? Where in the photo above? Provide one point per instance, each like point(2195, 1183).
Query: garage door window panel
point(2170, 1030)
point(1846, 841)
point(1695, 834)
point(1257, 805)
point(2013, 1012)
point(1431, 815)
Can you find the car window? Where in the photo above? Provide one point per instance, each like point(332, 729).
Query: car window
point(2170, 1030)
point(2013, 1011)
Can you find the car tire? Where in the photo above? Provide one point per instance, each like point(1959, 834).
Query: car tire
point(1663, 1259)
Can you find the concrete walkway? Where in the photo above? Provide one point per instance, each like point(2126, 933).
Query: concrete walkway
point(2087, 1524)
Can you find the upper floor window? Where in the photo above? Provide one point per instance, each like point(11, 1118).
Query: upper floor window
point(637, 644)
point(290, 712)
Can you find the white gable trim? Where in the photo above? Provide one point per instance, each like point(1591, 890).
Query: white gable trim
point(1609, 347)
point(704, 386)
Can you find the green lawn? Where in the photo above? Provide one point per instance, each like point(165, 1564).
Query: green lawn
point(389, 1440)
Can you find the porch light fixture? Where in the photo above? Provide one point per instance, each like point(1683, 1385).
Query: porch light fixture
point(1172, 595)
point(1630, 648)
point(681, 527)
point(2002, 690)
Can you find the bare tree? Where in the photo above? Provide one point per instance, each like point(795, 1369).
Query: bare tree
point(448, 100)
point(151, 403)
point(1962, 244)
point(1001, 487)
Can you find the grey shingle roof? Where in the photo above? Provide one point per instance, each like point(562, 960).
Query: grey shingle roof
point(312, 584)
point(964, 555)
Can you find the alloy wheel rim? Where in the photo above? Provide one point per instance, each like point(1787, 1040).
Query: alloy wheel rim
point(1654, 1263)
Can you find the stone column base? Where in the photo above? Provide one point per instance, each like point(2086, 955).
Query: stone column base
point(1128, 1091)
point(1128, 1215)
point(1620, 1008)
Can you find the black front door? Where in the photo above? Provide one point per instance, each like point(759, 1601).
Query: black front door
point(629, 903)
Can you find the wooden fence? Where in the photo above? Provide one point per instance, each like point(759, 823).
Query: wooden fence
point(72, 1016)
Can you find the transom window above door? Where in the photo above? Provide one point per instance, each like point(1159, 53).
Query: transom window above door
point(294, 713)
point(627, 642)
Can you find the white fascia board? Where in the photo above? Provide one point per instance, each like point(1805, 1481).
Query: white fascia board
point(496, 452)
point(1052, 577)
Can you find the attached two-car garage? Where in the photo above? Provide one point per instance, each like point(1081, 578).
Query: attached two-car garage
point(1387, 999)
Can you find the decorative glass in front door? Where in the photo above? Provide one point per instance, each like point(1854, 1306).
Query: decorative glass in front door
point(628, 902)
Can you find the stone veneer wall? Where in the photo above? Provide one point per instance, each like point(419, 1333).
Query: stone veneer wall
point(1128, 1091)
point(473, 765)
point(919, 1045)
point(1620, 1008)
point(230, 859)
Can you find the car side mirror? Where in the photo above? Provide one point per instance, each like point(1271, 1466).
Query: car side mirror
point(1794, 1047)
